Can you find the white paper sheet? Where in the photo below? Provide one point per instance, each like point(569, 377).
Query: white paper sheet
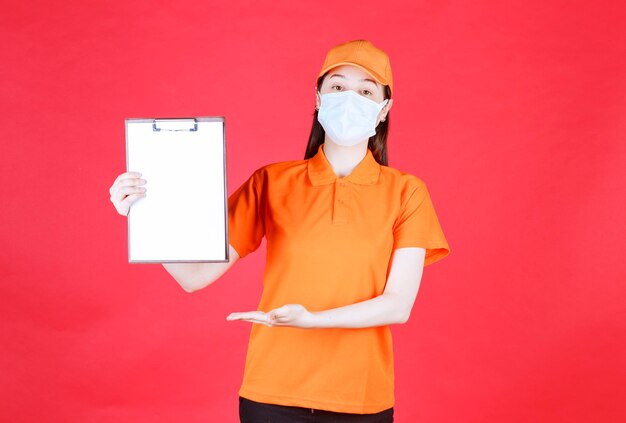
point(183, 216)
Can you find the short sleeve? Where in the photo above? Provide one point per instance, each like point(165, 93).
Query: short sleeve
point(245, 217)
point(417, 225)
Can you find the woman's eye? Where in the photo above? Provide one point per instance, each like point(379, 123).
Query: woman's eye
point(367, 92)
point(336, 87)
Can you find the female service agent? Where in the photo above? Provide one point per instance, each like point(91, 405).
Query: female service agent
point(347, 240)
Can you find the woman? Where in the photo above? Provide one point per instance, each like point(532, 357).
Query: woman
point(347, 239)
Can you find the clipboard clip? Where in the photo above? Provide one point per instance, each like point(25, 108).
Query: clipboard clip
point(188, 125)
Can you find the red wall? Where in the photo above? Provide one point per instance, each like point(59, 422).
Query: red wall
point(513, 113)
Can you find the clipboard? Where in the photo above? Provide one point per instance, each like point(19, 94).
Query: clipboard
point(184, 215)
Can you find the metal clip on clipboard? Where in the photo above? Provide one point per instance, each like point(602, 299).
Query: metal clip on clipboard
point(173, 124)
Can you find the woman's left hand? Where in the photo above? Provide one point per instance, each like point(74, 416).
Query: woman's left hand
point(295, 315)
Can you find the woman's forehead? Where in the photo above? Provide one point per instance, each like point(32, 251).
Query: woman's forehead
point(349, 72)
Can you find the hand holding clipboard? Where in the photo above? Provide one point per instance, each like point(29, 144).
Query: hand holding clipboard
point(126, 189)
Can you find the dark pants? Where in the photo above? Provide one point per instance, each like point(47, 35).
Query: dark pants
point(258, 412)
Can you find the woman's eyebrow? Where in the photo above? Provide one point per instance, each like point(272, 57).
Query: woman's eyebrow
point(364, 79)
point(370, 80)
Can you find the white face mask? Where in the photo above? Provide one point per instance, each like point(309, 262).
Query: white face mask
point(347, 117)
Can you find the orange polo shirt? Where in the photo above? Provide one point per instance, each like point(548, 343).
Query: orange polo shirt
point(329, 244)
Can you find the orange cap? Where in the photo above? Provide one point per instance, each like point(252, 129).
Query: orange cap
point(363, 54)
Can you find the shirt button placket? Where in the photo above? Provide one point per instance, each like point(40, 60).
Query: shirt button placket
point(340, 209)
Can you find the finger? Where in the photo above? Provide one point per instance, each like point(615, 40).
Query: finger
point(257, 321)
point(131, 182)
point(253, 317)
point(132, 190)
point(234, 316)
point(126, 175)
point(123, 177)
point(247, 315)
point(281, 320)
point(120, 192)
point(253, 320)
point(281, 312)
point(124, 191)
point(128, 201)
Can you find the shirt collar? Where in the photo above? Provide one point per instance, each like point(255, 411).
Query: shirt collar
point(321, 172)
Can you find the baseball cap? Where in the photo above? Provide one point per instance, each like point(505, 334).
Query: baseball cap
point(363, 54)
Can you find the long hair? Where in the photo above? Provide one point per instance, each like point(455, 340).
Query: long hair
point(377, 142)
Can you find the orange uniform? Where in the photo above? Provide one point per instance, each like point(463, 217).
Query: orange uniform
point(329, 244)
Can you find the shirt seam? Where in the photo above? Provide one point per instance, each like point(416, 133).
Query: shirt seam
point(257, 200)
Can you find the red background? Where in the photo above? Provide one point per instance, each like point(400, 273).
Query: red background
point(511, 112)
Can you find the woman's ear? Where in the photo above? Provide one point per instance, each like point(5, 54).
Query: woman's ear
point(383, 112)
point(317, 99)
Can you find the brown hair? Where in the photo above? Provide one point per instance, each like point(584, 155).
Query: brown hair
point(377, 142)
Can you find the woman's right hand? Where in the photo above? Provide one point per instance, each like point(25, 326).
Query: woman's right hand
point(126, 189)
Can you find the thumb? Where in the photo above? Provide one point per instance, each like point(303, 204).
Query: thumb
point(282, 311)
